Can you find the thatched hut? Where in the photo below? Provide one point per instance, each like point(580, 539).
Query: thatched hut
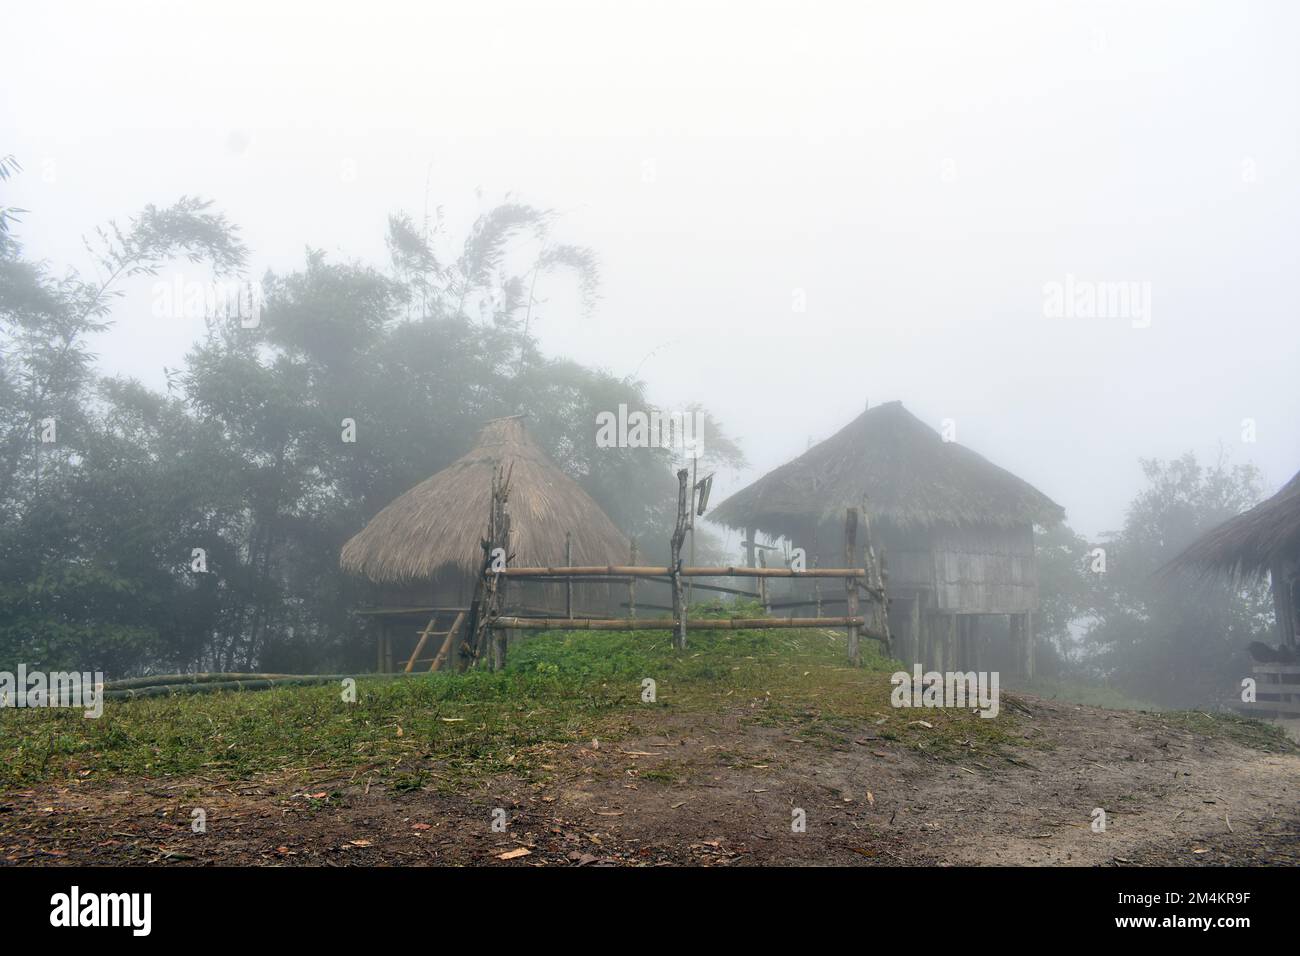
point(955, 529)
point(1262, 541)
point(422, 553)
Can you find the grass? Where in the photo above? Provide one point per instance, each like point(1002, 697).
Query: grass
point(1080, 692)
point(1255, 734)
point(445, 730)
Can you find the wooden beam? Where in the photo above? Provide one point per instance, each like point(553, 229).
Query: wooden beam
point(732, 571)
point(671, 624)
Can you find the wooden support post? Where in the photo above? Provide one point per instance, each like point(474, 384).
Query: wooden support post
point(914, 629)
point(675, 549)
point(924, 652)
point(875, 578)
point(817, 590)
point(1015, 637)
point(750, 535)
point(568, 582)
point(762, 584)
point(851, 584)
point(1029, 644)
point(631, 585)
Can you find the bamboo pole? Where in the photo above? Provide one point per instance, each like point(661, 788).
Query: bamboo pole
point(671, 623)
point(631, 585)
point(206, 677)
point(568, 582)
point(817, 590)
point(851, 584)
point(445, 652)
point(675, 547)
point(730, 571)
point(424, 639)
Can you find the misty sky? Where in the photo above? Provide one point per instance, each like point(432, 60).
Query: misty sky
point(915, 172)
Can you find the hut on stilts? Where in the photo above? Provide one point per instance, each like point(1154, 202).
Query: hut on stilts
point(1263, 541)
point(955, 531)
point(423, 554)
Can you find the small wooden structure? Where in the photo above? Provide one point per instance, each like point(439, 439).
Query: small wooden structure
point(423, 558)
point(1264, 540)
point(953, 530)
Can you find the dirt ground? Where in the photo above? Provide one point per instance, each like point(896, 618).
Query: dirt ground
point(716, 791)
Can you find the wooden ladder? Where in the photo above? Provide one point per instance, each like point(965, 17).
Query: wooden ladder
point(438, 660)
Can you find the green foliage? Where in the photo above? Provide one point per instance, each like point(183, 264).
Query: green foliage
point(1176, 642)
point(243, 458)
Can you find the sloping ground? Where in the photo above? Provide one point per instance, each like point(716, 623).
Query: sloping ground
point(721, 788)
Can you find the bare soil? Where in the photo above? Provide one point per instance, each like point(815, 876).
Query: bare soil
point(717, 790)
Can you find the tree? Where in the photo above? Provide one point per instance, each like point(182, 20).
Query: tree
point(1169, 640)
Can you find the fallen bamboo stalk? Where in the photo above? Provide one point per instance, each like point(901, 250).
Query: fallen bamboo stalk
point(200, 678)
point(212, 687)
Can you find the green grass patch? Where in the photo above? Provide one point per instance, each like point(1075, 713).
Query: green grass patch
point(1246, 731)
point(1080, 692)
point(441, 730)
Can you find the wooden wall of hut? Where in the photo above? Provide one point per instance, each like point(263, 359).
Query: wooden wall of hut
point(959, 595)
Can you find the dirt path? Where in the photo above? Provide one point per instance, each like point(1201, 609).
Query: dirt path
point(721, 790)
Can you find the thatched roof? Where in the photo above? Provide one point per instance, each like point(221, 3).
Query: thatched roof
point(436, 527)
point(1250, 544)
point(909, 474)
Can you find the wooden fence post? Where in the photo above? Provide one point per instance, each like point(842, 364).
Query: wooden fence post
point(817, 590)
point(631, 585)
point(568, 582)
point(679, 535)
point(851, 584)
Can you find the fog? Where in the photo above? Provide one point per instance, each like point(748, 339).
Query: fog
point(799, 208)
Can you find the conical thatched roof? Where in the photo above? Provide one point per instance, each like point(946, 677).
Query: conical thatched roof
point(910, 476)
point(436, 527)
point(1252, 543)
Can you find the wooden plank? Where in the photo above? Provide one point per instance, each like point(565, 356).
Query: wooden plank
point(670, 624)
point(730, 571)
